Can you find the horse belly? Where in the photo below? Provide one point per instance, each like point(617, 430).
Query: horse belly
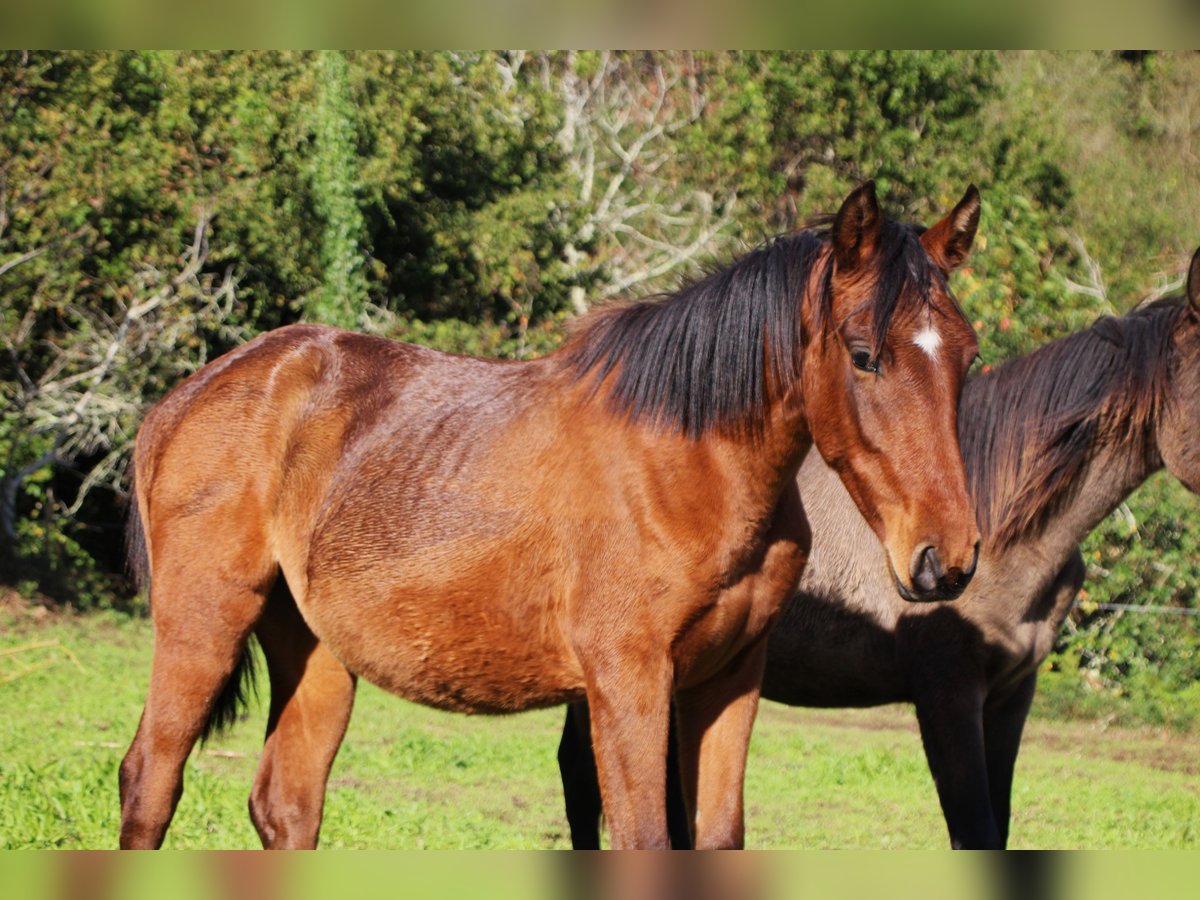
point(457, 647)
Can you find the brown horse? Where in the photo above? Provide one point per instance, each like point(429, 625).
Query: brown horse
point(617, 521)
point(1052, 444)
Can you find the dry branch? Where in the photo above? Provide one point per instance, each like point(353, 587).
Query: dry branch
point(86, 398)
point(24, 669)
point(615, 124)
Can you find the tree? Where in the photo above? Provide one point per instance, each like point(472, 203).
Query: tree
point(344, 289)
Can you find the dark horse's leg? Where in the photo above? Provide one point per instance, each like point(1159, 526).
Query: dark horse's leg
point(581, 784)
point(581, 787)
point(1004, 716)
point(201, 624)
point(311, 698)
point(1003, 721)
point(678, 824)
point(950, 713)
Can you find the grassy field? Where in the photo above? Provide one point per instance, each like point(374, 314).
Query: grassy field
point(71, 691)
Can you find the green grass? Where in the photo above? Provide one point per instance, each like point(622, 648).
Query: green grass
point(409, 777)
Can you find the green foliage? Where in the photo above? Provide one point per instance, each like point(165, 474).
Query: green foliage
point(1141, 667)
point(463, 188)
point(457, 336)
point(909, 120)
point(1128, 130)
point(344, 288)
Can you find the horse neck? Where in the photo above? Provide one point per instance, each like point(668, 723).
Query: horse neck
point(764, 462)
point(747, 466)
point(1112, 474)
point(847, 559)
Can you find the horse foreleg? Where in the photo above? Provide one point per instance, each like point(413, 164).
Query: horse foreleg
point(581, 785)
point(200, 629)
point(951, 718)
point(312, 695)
point(629, 733)
point(715, 720)
point(1003, 722)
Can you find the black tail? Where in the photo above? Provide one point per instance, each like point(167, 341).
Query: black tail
point(234, 698)
point(137, 561)
point(242, 683)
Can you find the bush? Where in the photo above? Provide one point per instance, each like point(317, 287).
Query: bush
point(1138, 666)
point(160, 208)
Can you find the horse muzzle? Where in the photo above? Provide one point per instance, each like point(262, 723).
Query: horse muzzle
point(932, 580)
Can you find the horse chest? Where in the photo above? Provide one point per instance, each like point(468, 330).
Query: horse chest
point(1014, 649)
point(740, 614)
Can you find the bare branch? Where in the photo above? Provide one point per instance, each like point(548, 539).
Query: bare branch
point(679, 256)
point(1095, 284)
point(646, 222)
point(23, 258)
point(82, 399)
point(1164, 288)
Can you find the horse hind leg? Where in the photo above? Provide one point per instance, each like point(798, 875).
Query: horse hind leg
point(581, 783)
point(202, 622)
point(312, 695)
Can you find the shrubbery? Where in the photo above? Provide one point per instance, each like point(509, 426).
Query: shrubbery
point(158, 208)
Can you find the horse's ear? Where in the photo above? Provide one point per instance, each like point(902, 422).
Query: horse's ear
point(856, 228)
point(1193, 283)
point(949, 241)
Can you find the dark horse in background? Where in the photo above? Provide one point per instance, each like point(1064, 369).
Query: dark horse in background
point(1052, 443)
point(618, 521)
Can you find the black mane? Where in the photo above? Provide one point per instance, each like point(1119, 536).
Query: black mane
point(708, 356)
point(1029, 429)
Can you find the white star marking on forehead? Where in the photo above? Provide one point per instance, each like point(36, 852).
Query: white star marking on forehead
point(928, 340)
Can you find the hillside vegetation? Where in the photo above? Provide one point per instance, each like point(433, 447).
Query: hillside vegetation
point(156, 209)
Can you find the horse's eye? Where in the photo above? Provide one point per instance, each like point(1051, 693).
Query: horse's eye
point(862, 360)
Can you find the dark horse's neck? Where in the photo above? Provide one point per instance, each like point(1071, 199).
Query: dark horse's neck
point(1054, 441)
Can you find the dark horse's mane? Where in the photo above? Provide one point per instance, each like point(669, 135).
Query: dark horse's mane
point(1029, 429)
point(707, 356)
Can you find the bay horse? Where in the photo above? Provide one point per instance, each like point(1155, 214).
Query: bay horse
point(1052, 442)
point(616, 521)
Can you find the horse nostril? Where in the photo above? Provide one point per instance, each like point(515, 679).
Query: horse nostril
point(957, 579)
point(927, 572)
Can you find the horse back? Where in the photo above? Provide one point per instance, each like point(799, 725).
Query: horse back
point(255, 436)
